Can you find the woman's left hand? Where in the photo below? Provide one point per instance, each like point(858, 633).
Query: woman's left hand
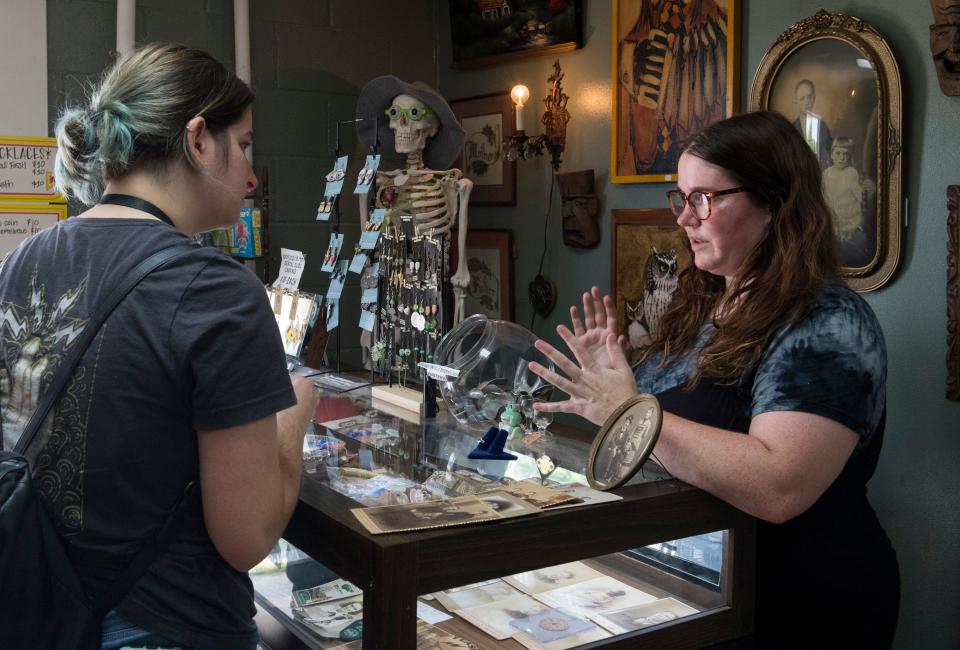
point(596, 387)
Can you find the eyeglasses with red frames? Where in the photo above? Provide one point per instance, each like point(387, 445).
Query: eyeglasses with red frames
point(700, 202)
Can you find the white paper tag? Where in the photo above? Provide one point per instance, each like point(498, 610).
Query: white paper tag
point(291, 268)
point(440, 373)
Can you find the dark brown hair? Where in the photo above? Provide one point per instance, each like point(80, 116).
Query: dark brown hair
point(779, 279)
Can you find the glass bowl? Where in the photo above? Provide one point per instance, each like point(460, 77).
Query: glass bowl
point(490, 357)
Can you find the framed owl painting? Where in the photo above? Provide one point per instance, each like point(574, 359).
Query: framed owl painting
point(649, 251)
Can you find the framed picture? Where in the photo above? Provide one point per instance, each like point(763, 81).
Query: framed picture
point(836, 79)
point(623, 443)
point(487, 32)
point(953, 292)
point(488, 121)
point(490, 261)
point(649, 251)
point(675, 70)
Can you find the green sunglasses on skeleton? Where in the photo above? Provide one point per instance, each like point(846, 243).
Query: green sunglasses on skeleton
point(413, 113)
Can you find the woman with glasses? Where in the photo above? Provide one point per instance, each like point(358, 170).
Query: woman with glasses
point(771, 373)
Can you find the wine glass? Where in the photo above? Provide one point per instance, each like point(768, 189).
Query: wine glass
point(526, 409)
point(542, 420)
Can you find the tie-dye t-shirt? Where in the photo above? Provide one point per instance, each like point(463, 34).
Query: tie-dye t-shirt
point(832, 363)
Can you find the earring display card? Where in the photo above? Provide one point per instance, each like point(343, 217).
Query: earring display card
point(358, 262)
point(335, 177)
point(337, 279)
point(369, 238)
point(367, 315)
point(333, 320)
point(333, 252)
point(367, 174)
point(325, 208)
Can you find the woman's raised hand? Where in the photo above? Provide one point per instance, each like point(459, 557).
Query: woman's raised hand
point(599, 321)
point(599, 384)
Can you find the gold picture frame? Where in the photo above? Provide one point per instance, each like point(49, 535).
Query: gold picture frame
point(673, 74)
point(835, 77)
point(642, 277)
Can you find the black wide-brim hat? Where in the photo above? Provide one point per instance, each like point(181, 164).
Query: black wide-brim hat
point(376, 97)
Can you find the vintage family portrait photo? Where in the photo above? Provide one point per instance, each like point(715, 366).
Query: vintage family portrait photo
point(834, 77)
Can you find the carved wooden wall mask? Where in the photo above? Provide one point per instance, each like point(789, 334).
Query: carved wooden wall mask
point(945, 44)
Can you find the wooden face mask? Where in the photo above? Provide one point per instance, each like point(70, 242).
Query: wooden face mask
point(945, 44)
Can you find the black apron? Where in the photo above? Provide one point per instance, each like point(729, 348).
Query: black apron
point(828, 577)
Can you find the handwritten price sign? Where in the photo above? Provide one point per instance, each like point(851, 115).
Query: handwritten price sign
point(291, 268)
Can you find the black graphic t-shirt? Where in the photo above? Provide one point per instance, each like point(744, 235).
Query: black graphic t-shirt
point(193, 347)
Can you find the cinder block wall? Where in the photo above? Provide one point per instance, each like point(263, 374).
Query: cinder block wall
point(310, 58)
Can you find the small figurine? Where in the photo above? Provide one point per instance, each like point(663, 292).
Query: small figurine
point(510, 420)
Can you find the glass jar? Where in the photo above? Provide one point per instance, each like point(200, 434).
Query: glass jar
point(490, 357)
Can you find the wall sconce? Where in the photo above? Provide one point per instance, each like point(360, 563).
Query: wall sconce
point(554, 120)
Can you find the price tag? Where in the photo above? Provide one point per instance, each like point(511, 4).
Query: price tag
point(438, 372)
point(291, 268)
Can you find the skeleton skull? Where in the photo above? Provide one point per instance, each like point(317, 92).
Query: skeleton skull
point(411, 135)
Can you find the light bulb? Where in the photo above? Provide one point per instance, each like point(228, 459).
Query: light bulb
point(520, 94)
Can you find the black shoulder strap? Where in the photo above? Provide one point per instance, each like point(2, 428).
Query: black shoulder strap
point(90, 331)
point(153, 547)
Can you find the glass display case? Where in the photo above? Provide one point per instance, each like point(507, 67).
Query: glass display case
point(655, 560)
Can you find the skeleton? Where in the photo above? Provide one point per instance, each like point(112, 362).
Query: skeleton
point(435, 199)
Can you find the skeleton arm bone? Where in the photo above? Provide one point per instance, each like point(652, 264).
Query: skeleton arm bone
point(461, 279)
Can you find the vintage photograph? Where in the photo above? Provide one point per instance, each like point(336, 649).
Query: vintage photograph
point(431, 514)
point(331, 618)
point(640, 616)
point(649, 252)
point(828, 90)
point(592, 597)
point(552, 577)
point(495, 618)
point(834, 77)
point(488, 121)
point(554, 625)
point(434, 638)
point(487, 32)
point(490, 261)
point(625, 445)
point(474, 595)
point(675, 67)
point(508, 505)
point(537, 495)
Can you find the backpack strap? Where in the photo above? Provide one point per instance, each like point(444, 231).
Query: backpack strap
point(178, 516)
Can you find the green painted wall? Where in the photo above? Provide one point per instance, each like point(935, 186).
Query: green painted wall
point(917, 486)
